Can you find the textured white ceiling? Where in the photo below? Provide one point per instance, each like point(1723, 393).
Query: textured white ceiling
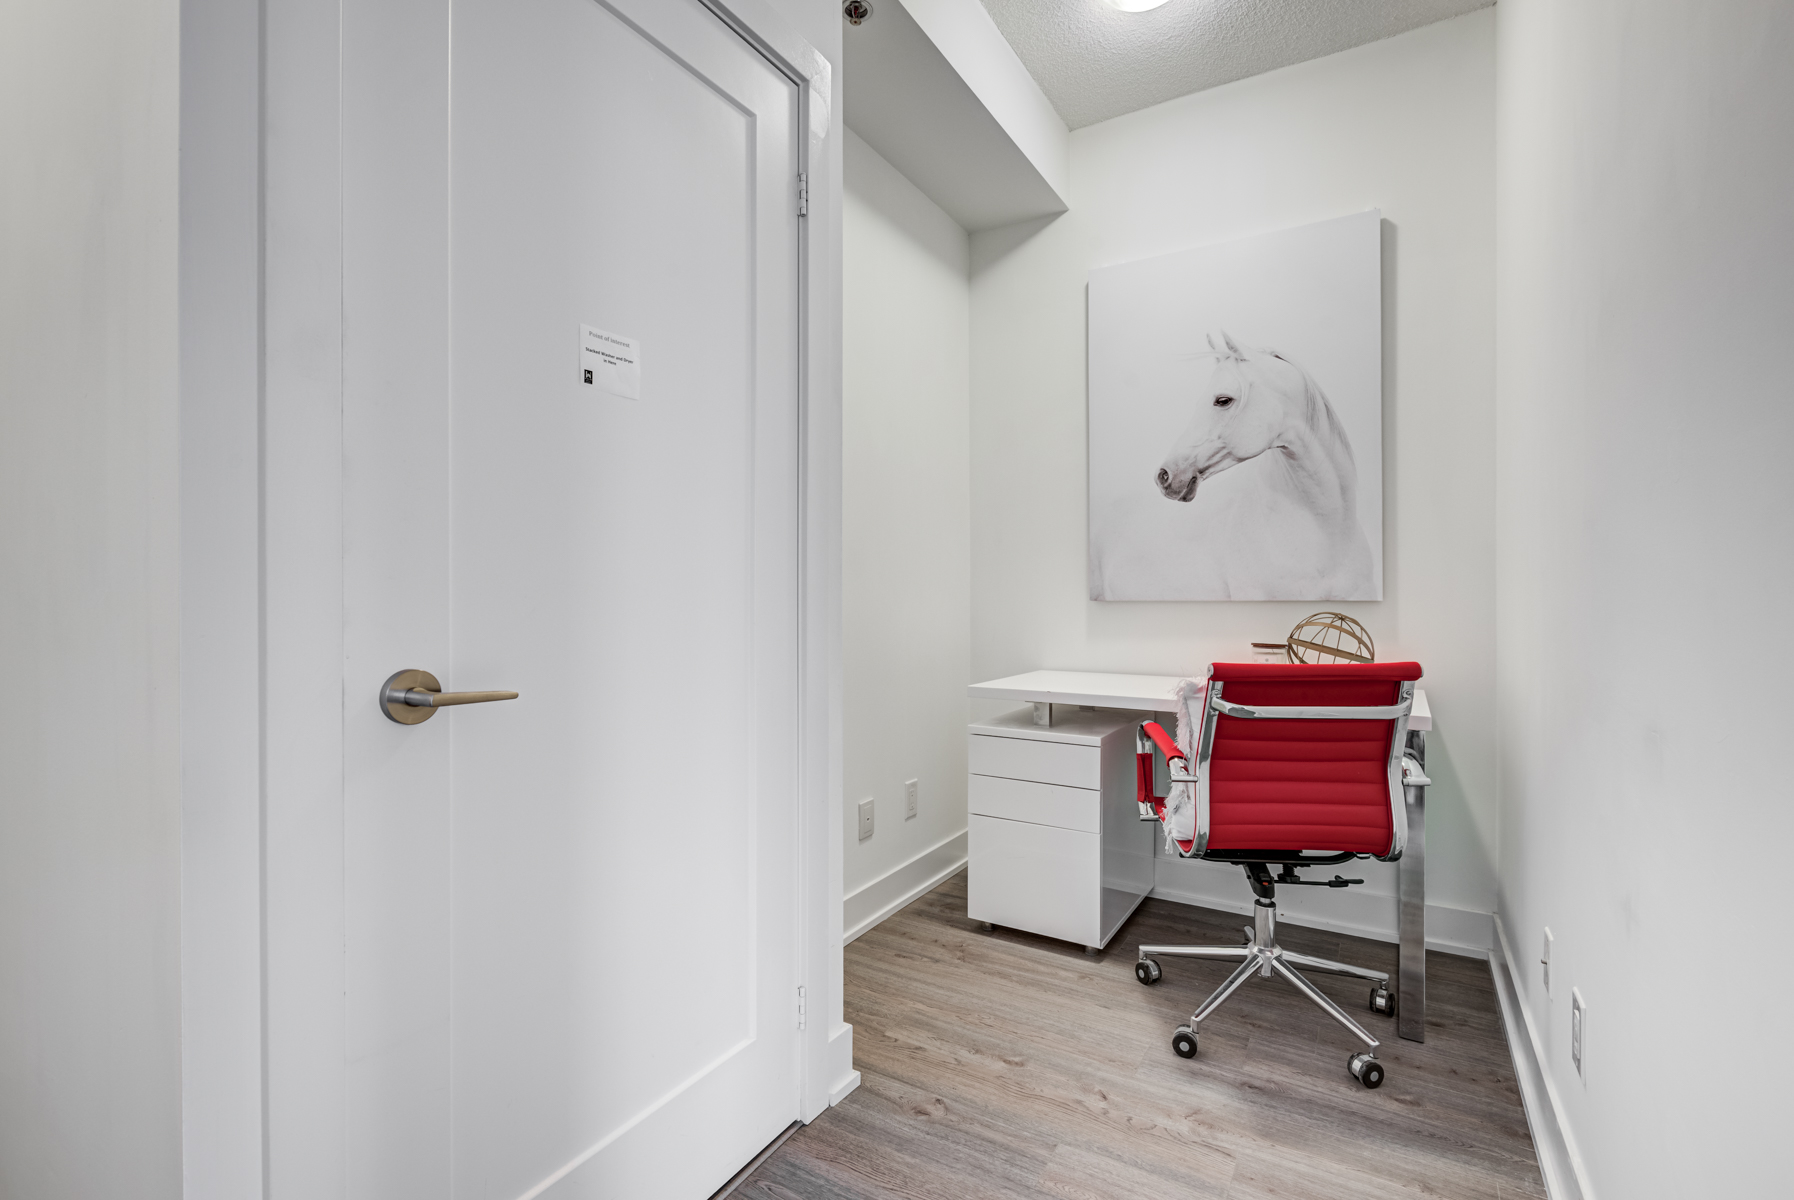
point(1094, 62)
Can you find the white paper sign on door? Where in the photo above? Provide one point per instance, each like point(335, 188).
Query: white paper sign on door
point(610, 361)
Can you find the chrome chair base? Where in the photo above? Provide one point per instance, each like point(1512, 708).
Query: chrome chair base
point(1262, 956)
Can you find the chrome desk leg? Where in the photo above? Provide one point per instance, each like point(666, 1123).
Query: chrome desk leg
point(1410, 1009)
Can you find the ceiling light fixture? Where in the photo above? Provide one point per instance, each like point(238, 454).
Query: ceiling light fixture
point(1133, 5)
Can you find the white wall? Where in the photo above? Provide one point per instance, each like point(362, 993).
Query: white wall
point(1644, 502)
point(1405, 125)
point(89, 749)
point(906, 520)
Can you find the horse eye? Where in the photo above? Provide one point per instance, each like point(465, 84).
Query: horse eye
point(1223, 401)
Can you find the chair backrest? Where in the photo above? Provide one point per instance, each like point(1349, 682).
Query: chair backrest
point(1318, 785)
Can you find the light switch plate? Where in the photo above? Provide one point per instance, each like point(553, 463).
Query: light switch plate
point(909, 799)
point(1544, 959)
point(865, 818)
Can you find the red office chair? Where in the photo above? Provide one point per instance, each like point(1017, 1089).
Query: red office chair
point(1296, 766)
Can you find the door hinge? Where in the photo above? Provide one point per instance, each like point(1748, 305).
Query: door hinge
point(800, 1007)
point(803, 195)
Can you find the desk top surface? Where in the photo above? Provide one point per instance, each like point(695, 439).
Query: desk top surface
point(1154, 693)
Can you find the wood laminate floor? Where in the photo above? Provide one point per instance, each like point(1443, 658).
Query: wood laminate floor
point(1007, 1065)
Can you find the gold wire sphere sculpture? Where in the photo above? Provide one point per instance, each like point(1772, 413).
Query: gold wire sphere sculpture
point(1330, 637)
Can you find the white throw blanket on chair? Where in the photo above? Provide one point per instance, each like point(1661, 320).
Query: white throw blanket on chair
point(1180, 805)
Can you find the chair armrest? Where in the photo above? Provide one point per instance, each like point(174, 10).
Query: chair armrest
point(1412, 775)
point(1156, 733)
point(1177, 765)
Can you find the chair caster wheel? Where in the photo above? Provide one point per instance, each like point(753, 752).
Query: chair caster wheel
point(1184, 1042)
point(1382, 1000)
point(1367, 1069)
point(1147, 972)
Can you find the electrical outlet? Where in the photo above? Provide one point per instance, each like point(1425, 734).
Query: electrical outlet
point(865, 818)
point(1544, 957)
point(1578, 1028)
point(909, 799)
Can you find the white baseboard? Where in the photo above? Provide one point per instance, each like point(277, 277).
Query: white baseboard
point(1559, 1162)
point(1459, 930)
point(838, 1069)
point(875, 901)
point(840, 1052)
point(840, 1091)
point(1366, 915)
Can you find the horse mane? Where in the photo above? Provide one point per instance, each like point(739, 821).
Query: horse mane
point(1317, 409)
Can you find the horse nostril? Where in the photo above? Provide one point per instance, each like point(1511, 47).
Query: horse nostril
point(1164, 478)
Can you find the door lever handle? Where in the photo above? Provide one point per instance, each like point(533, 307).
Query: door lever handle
point(412, 697)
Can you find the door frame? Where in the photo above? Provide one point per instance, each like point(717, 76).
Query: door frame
point(262, 704)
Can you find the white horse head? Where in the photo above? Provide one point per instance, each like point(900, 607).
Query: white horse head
point(1258, 400)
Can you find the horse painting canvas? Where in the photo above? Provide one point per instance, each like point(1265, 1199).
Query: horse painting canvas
point(1236, 420)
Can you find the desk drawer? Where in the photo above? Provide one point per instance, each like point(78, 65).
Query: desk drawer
point(1034, 877)
point(1042, 762)
point(1039, 803)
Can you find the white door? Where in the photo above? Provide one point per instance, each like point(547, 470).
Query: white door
point(571, 918)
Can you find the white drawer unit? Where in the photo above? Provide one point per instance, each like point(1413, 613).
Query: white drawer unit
point(1055, 844)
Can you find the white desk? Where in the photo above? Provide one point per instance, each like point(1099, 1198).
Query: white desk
point(1158, 693)
point(1096, 689)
